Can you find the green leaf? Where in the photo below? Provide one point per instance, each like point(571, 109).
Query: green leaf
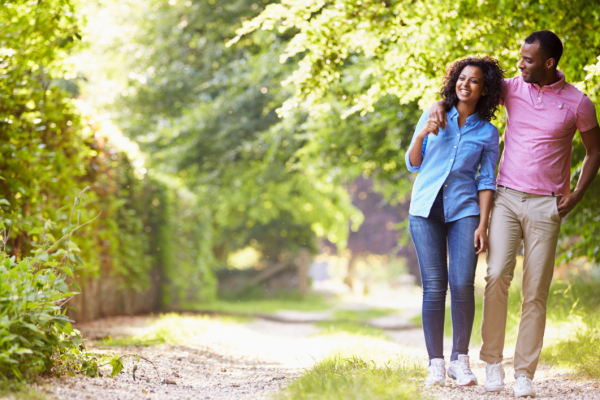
point(61, 286)
point(76, 286)
point(5, 202)
point(117, 365)
point(77, 258)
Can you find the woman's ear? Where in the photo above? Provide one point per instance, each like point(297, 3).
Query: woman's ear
point(484, 91)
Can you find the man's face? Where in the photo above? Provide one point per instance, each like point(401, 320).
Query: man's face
point(532, 63)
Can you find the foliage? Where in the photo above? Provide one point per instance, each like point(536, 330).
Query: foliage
point(355, 54)
point(357, 378)
point(206, 113)
point(52, 144)
point(35, 333)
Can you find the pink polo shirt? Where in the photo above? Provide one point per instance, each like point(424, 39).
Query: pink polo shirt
point(540, 126)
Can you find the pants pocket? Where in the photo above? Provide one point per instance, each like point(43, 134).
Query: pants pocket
point(555, 214)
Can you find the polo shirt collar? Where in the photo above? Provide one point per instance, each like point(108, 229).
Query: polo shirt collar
point(470, 119)
point(556, 86)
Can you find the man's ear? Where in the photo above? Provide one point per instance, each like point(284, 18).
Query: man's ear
point(550, 63)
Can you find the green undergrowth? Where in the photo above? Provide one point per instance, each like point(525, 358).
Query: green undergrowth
point(171, 329)
point(338, 378)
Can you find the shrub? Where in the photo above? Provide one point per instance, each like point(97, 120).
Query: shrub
point(35, 333)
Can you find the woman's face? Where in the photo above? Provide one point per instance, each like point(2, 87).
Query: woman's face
point(470, 85)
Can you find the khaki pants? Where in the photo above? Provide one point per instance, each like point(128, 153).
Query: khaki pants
point(534, 219)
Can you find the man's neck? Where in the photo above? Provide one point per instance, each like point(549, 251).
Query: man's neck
point(551, 79)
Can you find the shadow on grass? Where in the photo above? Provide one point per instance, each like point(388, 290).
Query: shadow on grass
point(338, 378)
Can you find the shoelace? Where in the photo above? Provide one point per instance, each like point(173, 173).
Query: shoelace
point(466, 368)
point(496, 375)
point(523, 382)
point(437, 372)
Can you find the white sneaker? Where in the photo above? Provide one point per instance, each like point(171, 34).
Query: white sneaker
point(523, 387)
point(494, 378)
point(437, 373)
point(460, 370)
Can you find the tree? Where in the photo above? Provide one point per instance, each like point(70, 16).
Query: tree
point(401, 48)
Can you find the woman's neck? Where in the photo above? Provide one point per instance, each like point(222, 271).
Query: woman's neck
point(465, 110)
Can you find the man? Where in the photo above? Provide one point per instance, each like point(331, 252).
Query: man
point(544, 112)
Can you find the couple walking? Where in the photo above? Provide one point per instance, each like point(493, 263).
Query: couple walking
point(457, 202)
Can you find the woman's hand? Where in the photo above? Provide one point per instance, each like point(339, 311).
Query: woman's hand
point(481, 239)
point(431, 126)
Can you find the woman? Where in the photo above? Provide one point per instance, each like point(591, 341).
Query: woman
point(450, 206)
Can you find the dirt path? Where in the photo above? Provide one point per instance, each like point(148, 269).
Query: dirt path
point(253, 360)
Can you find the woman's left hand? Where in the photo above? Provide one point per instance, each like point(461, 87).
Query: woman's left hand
point(481, 239)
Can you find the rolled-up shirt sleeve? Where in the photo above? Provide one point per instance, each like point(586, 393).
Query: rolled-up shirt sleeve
point(420, 124)
point(489, 159)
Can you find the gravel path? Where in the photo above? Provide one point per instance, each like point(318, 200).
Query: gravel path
point(223, 360)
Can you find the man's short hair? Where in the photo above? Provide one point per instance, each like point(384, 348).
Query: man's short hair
point(550, 44)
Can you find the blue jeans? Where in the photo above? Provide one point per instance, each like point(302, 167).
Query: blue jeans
point(430, 236)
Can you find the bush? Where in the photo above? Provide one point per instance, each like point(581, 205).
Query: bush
point(35, 333)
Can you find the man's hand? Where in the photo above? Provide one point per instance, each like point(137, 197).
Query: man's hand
point(589, 170)
point(431, 126)
point(437, 112)
point(567, 203)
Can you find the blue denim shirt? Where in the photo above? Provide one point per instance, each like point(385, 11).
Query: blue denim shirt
point(451, 162)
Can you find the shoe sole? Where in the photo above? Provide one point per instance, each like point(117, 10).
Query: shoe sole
point(470, 383)
point(494, 388)
point(528, 394)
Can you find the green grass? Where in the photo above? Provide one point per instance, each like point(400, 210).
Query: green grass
point(268, 306)
point(352, 328)
point(171, 329)
point(13, 389)
point(572, 338)
point(338, 378)
point(578, 351)
point(352, 322)
point(363, 315)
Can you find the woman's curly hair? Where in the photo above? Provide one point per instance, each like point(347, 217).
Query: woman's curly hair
point(493, 75)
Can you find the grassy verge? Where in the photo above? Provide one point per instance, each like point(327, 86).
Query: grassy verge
point(338, 378)
point(266, 305)
point(351, 327)
point(171, 329)
point(17, 390)
point(352, 322)
point(572, 338)
point(577, 350)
